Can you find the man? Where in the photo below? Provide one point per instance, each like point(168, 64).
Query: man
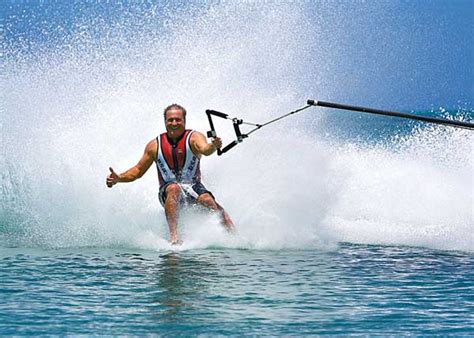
point(177, 154)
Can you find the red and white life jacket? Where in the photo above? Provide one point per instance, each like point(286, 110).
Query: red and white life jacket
point(176, 162)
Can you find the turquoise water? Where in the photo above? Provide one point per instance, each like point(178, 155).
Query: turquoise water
point(353, 289)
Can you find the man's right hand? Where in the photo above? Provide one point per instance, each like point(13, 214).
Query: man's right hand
point(112, 179)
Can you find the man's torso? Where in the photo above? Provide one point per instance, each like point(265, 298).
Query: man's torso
point(175, 159)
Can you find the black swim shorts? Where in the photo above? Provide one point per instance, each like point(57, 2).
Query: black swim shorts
point(189, 192)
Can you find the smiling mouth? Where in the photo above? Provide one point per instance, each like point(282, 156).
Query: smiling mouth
point(172, 130)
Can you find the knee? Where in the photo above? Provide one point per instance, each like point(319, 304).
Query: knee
point(173, 191)
point(207, 200)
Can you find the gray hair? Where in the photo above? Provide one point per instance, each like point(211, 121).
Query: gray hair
point(174, 106)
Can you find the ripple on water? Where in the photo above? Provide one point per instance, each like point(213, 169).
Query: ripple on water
point(354, 289)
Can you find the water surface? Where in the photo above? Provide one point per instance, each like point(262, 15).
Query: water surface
point(353, 289)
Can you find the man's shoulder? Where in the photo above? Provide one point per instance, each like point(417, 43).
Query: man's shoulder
point(195, 133)
point(152, 146)
point(153, 142)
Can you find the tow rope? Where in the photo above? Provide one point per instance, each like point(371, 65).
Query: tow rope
point(310, 103)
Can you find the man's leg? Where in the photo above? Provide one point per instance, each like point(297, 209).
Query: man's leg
point(208, 201)
point(173, 195)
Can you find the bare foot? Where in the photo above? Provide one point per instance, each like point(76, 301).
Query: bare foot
point(176, 242)
point(227, 222)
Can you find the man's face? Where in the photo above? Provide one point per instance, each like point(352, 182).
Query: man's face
point(175, 123)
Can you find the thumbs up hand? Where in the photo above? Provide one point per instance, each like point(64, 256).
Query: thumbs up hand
point(112, 179)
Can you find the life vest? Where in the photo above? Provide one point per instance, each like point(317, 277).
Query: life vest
point(176, 162)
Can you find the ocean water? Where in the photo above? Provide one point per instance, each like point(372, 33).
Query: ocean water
point(347, 223)
point(353, 289)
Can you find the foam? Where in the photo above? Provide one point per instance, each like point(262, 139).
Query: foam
point(93, 96)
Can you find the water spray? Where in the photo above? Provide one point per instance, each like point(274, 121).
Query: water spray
point(310, 103)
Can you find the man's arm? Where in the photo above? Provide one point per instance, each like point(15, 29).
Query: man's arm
point(136, 171)
point(200, 145)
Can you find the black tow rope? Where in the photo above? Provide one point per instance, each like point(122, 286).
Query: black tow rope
point(237, 122)
point(240, 136)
